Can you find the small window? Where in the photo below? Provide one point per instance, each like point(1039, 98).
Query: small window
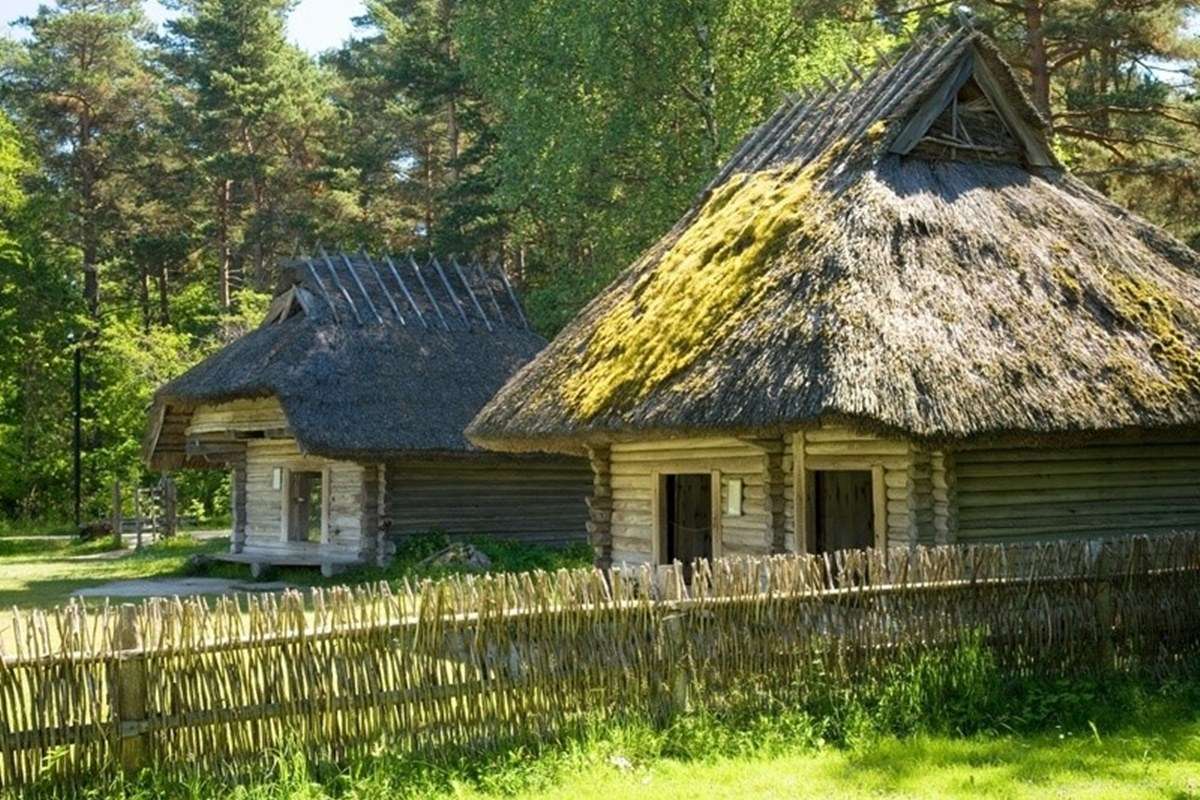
point(304, 507)
point(733, 497)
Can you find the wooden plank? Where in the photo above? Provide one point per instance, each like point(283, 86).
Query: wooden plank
point(879, 495)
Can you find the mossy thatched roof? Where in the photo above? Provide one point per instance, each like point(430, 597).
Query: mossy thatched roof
point(369, 358)
point(852, 262)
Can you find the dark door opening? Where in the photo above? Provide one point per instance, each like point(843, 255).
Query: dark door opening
point(304, 507)
point(687, 528)
point(843, 510)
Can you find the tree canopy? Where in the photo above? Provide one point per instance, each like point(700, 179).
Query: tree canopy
point(152, 180)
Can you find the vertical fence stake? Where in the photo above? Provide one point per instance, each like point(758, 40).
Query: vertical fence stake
point(1105, 620)
point(131, 691)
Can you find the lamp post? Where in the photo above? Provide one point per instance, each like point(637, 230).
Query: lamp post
point(77, 415)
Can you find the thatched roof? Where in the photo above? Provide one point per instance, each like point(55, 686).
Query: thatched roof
point(368, 357)
point(906, 255)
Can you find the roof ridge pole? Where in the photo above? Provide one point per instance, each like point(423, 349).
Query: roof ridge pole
point(358, 282)
point(445, 282)
point(470, 291)
point(404, 288)
point(338, 282)
point(324, 292)
point(487, 284)
point(429, 293)
point(362, 252)
point(513, 296)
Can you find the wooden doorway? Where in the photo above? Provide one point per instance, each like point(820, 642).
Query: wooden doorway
point(687, 519)
point(305, 512)
point(843, 504)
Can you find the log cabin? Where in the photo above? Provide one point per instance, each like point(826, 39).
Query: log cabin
point(892, 318)
point(341, 416)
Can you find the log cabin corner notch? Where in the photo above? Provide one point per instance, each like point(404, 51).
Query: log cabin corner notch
point(893, 318)
point(341, 416)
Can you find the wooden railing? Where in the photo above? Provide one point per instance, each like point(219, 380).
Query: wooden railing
point(188, 684)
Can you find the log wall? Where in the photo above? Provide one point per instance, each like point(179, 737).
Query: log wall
point(351, 528)
point(634, 465)
point(1024, 494)
point(532, 500)
point(261, 414)
point(907, 474)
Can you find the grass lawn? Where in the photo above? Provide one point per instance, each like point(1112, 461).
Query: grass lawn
point(1138, 763)
point(1150, 749)
point(42, 572)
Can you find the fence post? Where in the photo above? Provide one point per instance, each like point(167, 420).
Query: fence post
point(131, 691)
point(1105, 621)
point(117, 521)
point(679, 679)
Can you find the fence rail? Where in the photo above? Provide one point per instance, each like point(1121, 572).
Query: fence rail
point(481, 659)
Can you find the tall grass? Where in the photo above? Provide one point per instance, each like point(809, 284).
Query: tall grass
point(959, 691)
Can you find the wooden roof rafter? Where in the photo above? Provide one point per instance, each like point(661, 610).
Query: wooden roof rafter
point(361, 288)
point(487, 284)
point(433, 301)
point(471, 292)
point(387, 293)
point(338, 283)
point(312, 268)
point(450, 291)
point(404, 288)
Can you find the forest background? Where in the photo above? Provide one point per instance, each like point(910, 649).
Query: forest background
point(153, 176)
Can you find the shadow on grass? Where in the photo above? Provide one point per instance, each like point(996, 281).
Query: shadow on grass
point(1133, 755)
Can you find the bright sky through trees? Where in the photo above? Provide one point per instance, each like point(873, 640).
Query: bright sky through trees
point(315, 25)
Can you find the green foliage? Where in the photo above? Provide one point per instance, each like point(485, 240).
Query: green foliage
point(611, 116)
point(150, 184)
point(506, 555)
point(705, 751)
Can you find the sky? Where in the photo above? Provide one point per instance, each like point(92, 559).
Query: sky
point(315, 25)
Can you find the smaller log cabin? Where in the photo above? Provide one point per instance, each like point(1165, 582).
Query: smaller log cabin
point(893, 318)
point(341, 416)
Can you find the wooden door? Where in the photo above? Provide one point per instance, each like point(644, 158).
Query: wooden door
point(688, 526)
point(844, 510)
point(304, 507)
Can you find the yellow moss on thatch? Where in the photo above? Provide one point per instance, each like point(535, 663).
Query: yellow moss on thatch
point(700, 288)
point(1068, 283)
point(1154, 310)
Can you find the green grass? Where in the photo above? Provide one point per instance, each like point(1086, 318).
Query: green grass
point(39, 573)
point(1143, 741)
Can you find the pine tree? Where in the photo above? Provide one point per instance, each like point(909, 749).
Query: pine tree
point(261, 121)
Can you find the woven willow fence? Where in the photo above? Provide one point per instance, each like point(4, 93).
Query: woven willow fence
point(481, 660)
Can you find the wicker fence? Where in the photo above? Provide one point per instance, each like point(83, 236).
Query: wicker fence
point(481, 660)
